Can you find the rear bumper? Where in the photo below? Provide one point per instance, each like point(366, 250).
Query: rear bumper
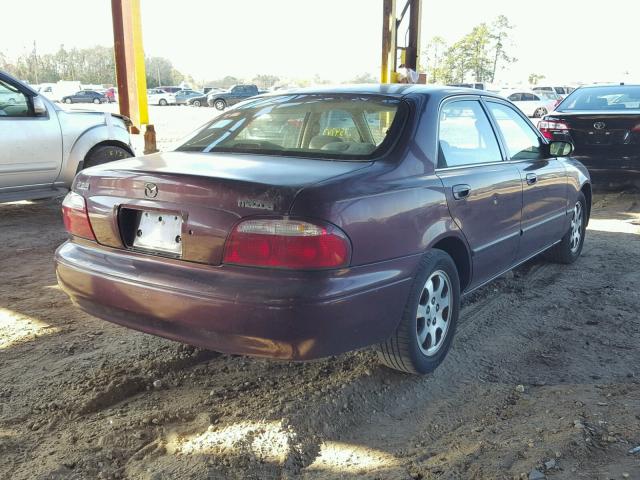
point(279, 314)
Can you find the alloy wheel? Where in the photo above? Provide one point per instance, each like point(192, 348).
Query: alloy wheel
point(434, 312)
point(576, 228)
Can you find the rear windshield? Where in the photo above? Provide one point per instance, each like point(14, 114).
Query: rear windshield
point(620, 97)
point(312, 125)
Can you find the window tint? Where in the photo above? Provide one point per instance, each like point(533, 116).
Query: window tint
point(466, 136)
point(528, 97)
point(522, 141)
point(13, 103)
point(515, 97)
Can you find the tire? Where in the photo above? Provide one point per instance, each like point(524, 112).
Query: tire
point(104, 154)
point(162, 102)
point(196, 103)
point(404, 350)
point(540, 112)
point(96, 101)
point(220, 104)
point(67, 100)
point(570, 247)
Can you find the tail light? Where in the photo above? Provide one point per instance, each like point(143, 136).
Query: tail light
point(74, 214)
point(636, 128)
point(285, 243)
point(547, 128)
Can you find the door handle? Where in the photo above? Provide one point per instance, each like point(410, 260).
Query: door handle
point(460, 192)
point(531, 178)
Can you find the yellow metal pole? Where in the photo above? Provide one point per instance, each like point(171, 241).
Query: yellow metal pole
point(130, 70)
point(388, 63)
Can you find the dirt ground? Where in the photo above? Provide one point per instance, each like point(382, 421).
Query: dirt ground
point(543, 378)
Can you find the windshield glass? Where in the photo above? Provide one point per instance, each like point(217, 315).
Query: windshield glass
point(620, 97)
point(312, 125)
point(547, 95)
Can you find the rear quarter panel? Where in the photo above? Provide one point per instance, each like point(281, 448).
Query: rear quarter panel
point(577, 178)
point(395, 208)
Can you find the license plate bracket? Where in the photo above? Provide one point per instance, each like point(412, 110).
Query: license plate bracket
point(159, 232)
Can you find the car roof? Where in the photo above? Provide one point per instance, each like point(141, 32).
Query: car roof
point(388, 89)
point(598, 85)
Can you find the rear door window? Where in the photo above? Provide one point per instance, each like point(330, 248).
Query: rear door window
point(522, 141)
point(466, 136)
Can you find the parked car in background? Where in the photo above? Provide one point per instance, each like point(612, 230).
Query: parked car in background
point(305, 224)
point(111, 94)
point(235, 94)
point(198, 101)
point(184, 95)
point(561, 91)
point(603, 122)
point(532, 104)
point(42, 146)
point(170, 89)
point(156, 96)
point(86, 96)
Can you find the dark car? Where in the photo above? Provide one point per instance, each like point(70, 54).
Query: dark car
point(235, 94)
point(603, 122)
point(183, 96)
point(198, 101)
point(310, 223)
point(86, 96)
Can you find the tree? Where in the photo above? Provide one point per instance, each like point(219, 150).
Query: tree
point(500, 34)
point(434, 57)
point(265, 81)
point(534, 78)
point(477, 44)
point(364, 78)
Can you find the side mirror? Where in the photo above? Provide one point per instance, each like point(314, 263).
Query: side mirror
point(560, 149)
point(39, 107)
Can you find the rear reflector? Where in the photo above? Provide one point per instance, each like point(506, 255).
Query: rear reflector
point(74, 214)
point(284, 243)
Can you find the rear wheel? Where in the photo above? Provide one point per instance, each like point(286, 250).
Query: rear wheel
point(570, 247)
point(96, 101)
point(220, 104)
point(105, 154)
point(540, 112)
point(196, 103)
point(67, 100)
point(423, 337)
point(162, 102)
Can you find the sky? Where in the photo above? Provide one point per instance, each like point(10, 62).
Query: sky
point(567, 41)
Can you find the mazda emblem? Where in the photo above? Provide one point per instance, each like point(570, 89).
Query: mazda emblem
point(150, 190)
point(599, 125)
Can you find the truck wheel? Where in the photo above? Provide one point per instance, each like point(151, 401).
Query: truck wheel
point(570, 247)
point(104, 154)
point(423, 337)
point(220, 104)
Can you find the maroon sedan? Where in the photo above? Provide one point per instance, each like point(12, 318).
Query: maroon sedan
point(308, 223)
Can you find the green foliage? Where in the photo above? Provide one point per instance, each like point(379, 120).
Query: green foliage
point(265, 81)
point(364, 78)
point(534, 78)
point(95, 65)
point(477, 55)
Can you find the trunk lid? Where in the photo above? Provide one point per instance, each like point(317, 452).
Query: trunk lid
point(208, 192)
point(597, 130)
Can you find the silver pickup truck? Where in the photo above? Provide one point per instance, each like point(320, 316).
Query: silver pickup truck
point(42, 146)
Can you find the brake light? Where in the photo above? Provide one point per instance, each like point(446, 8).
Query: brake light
point(547, 127)
point(76, 219)
point(285, 243)
point(636, 129)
